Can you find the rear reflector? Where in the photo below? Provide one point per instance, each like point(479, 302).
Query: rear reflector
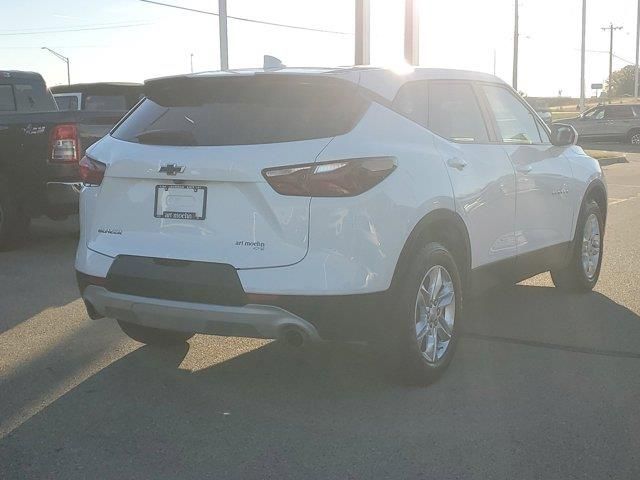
point(343, 178)
point(64, 144)
point(91, 171)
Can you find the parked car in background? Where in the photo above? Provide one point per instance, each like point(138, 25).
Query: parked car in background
point(39, 152)
point(608, 123)
point(545, 115)
point(542, 109)
point(336, 204)
point(97, 97)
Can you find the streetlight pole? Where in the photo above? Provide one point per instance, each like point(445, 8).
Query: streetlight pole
point(64, 59)
point(583, 56)
point(362, 32)
point(411, 32)
point(635, 90)
point(516, 38)
point(224, 39)
point(611, 29)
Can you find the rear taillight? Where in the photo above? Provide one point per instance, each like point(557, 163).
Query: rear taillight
point(64, 144)
point(342, 178)
point(91, 171)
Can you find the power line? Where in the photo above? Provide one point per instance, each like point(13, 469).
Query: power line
point(44, 32)
point(250, 20)
point(87, 25)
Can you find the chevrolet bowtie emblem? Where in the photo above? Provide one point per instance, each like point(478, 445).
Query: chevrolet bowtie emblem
point(171, 169)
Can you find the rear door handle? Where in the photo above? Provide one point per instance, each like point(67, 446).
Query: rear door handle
point(456, 163)
point(524, 169)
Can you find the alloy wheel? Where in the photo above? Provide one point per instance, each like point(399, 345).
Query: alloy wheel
point(591, 246)
point(435, 313)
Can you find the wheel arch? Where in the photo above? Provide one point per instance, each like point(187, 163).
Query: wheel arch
point(444, 226)
point(597, 192)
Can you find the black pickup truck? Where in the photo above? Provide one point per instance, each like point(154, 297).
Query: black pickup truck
point(40, 148)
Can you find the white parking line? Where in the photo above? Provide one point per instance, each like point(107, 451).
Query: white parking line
point(615, 201)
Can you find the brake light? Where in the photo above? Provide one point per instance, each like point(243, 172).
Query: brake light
point(343, 178)
point(91, 171)
point(64, 144)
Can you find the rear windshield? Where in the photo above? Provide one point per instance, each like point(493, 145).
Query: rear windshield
point(243, 111)
point(100, 103)
point(67, 102)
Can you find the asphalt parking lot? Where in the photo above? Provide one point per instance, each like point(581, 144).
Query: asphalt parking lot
point(544, 385)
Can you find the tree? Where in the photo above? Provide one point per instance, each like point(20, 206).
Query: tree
point(622, 81)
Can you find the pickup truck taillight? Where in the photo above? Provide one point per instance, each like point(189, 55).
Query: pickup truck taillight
point(91, 171)
point(64, 144)
point(343, 178)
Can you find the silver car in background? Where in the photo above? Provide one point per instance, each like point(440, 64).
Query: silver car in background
point(608, 123)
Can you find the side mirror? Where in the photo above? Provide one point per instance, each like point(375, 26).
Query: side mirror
point(563, 135)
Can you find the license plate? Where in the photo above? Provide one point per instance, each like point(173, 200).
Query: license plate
point(181, 202)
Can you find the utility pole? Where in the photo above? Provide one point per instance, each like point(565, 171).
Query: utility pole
point(583, 56)
point(635, 89)
point(411, 32)
point(611, 29)
point(64, 59)
point(224, 39)
point(191, 58)
point(363, 33)
point(516, 38)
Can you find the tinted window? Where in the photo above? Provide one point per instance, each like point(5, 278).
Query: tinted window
point(516, 124)
point(595, 113)
point(33, 97)
point(619, 111)
point(411, 101)
point(243, 111)
point(454, 113)
point(7, 103)
point(67, 102)
point(97, 103)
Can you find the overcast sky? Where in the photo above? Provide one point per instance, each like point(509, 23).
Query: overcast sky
point(128, 40)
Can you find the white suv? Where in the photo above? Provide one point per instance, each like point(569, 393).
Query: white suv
point(351, 204)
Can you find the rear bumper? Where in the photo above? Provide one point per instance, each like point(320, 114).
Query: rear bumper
point(254, 321)
point(327, 317)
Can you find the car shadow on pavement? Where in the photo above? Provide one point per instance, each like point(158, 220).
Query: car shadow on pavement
point(503, 410)
point(38, 274)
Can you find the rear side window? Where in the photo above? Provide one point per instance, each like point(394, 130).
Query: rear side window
point(619, 112)
point(218, 111)
point(7, 102)
point(516, 124)
point(411, 101)
point(33, 97)
point(99, 103)
point(454, 113)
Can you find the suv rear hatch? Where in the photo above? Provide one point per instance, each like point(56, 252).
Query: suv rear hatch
point(184, 169)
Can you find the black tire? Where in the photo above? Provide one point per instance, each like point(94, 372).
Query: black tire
point(153, 336)
point(14, 223)
point(407, 353)
point(573, 277)
point(633, 137)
